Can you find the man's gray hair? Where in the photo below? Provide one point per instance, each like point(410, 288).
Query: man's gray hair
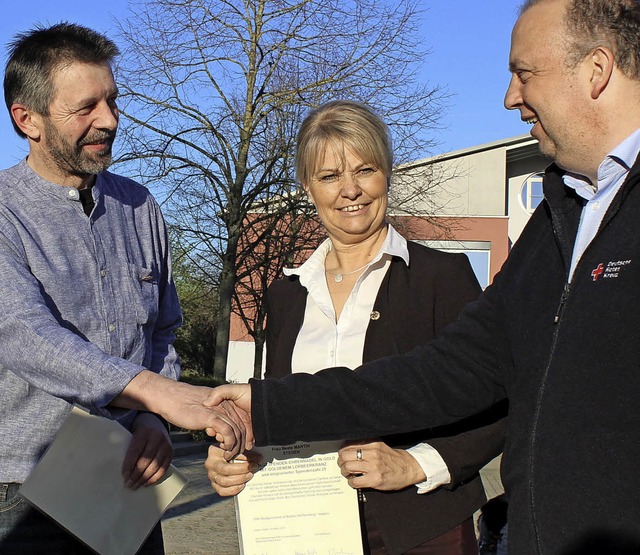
point(34, 56)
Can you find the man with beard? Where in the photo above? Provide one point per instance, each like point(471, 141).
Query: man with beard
point(88, 306)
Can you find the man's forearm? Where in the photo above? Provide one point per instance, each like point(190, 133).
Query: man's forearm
point(167, 398)
point(143, 392)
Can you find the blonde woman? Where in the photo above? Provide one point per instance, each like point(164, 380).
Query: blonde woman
point(366, 293)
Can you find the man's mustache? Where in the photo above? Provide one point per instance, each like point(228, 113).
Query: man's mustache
point(98, 138)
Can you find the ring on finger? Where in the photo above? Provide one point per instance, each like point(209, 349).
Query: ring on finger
point(359, 454)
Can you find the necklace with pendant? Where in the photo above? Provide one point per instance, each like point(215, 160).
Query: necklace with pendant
point(339, 277)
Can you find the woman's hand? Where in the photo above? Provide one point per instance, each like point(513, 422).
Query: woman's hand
point(373, 464)
point(229, 477)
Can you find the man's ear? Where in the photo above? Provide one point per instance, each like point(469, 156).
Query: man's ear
point(602, 66)
point(27, 121)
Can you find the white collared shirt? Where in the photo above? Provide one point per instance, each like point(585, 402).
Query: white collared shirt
point(324, 342)
point(611, 175)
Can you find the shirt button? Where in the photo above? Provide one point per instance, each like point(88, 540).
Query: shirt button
point(103, 273)
point(112, 327)
point(73, 193)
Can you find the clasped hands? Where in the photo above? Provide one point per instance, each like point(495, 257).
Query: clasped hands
point(224, 413)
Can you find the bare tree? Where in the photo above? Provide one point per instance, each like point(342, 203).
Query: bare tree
point(214, 90)
point(270, 244)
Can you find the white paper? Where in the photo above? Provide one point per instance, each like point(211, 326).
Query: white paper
point(79, 484)
point(299, 503)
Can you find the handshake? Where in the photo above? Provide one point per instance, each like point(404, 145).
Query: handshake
point(223, 412)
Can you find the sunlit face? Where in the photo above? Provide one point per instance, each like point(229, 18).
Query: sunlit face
point(78, 134)
point(550, 96)
point(349, 194)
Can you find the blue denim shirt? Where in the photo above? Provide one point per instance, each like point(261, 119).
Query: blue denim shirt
point(86, 303)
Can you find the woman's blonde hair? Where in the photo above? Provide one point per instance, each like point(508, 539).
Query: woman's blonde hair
point(342, 124)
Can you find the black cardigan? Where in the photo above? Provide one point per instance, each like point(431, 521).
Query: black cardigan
point(414, 303)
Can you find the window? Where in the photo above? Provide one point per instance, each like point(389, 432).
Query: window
point(478, 253)
point(531, 193)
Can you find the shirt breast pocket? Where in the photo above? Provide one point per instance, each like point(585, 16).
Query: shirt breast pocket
point(145, 293)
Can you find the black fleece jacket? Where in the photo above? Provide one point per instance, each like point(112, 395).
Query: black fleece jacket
point(567, 357)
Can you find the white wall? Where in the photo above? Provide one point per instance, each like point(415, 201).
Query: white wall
point(240, 361)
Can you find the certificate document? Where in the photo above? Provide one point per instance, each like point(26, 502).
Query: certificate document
point(299, 503)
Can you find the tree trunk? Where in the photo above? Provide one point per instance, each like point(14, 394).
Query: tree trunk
point(225, 292)
point(259, 339)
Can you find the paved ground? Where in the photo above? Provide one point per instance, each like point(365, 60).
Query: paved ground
point(491, 478)
point(199, 522)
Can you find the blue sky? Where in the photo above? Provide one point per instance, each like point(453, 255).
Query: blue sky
point(468, 39)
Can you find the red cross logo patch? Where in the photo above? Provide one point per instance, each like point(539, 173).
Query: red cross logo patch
point(598, 272)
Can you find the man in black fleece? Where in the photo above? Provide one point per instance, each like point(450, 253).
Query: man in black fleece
point(556, 333)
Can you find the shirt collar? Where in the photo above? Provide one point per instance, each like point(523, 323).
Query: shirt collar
point(612, 169)
point(63, 192)
point(394, 245)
